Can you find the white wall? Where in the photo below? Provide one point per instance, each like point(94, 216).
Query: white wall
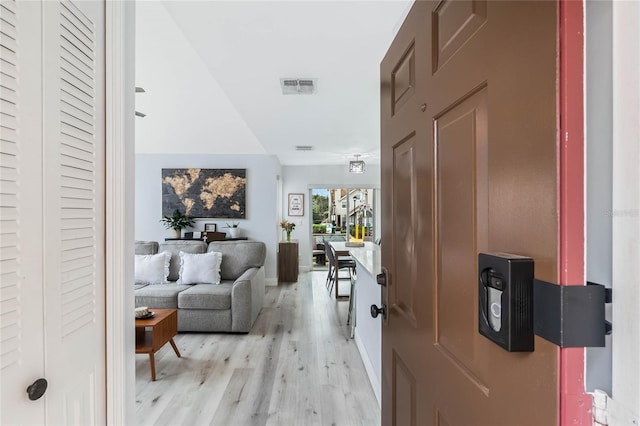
point(624, 408)
point(368, 333)
point(299, 179)
point(185, 105)
point(262, 197)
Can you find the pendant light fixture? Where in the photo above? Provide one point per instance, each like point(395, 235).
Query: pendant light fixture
point(356, 166)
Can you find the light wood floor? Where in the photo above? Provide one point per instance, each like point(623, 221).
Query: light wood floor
point(297, 366)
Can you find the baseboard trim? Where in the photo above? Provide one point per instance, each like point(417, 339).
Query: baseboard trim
point(271, 282)
point(368, 366)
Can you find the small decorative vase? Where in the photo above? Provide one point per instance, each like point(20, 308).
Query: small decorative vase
point(234, 232)
point(177, 233)
point(288, 235)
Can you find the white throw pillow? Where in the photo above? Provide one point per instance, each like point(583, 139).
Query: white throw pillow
point(200, 268)
point(152, 268)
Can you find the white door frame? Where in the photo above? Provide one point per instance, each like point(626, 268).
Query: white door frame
point(624, 406)
point(120, 141)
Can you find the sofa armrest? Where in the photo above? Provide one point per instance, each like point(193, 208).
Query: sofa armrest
point(247, 298)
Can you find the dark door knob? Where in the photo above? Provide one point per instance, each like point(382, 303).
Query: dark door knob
point(37, 389)
point(375, 311)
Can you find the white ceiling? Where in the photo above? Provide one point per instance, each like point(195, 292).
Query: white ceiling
point(212, 69)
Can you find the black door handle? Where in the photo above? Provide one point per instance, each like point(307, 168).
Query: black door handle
point(37, 389)
point(375, 311)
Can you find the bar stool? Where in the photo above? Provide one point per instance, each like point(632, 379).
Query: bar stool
point(352, 303)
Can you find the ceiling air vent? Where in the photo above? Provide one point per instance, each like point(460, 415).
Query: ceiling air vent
point(298, 86)
point(304, 148)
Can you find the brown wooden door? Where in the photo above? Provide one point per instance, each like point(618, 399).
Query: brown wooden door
point(469, 165)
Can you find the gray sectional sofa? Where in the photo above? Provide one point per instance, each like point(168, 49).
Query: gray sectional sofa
point(231, 306)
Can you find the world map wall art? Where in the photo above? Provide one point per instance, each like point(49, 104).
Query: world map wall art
point(205, 193)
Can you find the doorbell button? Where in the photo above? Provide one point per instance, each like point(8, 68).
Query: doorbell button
point(505, 286)
point(496, 310)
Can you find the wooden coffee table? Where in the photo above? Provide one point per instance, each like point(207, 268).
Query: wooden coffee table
point(153, 333)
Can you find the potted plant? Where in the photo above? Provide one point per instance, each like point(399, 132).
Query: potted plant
point(234, 232)
point(177, 221)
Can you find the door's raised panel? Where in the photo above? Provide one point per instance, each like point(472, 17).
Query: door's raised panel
point(78, 400)
point(461, 178)
point(454, 22)
point(403, 393)
point(405, 201)
point(403, 79)
point(440, 419)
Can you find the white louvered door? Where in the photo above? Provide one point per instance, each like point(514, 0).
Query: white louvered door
point(21, 251)
point(59, 229)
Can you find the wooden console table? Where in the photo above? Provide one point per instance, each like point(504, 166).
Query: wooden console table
point(287, 261)
point(208, 240)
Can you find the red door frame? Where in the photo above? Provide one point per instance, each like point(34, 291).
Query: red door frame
point(575, 403)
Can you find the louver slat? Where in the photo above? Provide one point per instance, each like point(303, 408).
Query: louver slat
point(10, 167)
point(77, 160)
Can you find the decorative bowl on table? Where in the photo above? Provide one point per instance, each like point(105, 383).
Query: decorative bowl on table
point(143, 312)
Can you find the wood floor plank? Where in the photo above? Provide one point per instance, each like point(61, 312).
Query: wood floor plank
point(297, 366)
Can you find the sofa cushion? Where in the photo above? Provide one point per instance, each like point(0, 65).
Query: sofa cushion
point(163, 296)
point(175, 247)
point(205, 296)
point(152, 268)
point(200, 268)
point(238, 256)
point(146, 247)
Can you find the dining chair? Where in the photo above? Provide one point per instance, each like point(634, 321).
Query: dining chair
point(343, 262)
point(318, 252)
point(327, 256)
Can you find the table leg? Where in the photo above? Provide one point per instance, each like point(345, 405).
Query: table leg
point(335, 269)
point(152, 362)
point(175, 348)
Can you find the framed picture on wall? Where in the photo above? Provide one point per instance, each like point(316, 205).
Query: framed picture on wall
point(210, 227)
point(209, 193)
point(296, 204)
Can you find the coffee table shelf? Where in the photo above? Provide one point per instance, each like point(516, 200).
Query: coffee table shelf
point(153, 333)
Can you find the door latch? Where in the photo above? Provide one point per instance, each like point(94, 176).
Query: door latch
point(571, 316)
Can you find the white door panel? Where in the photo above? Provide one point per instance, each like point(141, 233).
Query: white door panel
point(66, 118)
point(21, 268)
